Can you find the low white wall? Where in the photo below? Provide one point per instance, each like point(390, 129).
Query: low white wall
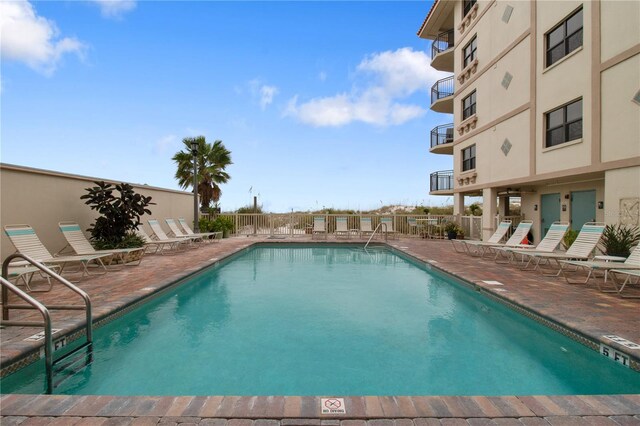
point(42, 198)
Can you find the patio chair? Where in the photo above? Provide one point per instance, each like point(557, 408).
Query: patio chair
point(23, 271)
point(630, 274)
point(160, 235)
point(389, 229)
point(159, 246)
point(25, 240)
point(515, 241)
point(592, 266)
point(581, 249)
point(80, 245)
point(365, 226)
point(189, 231)
point(549, 243)
point(342, 229)
point(497, 236)
point(415, 228)
point(319, 227)
point(176, 232)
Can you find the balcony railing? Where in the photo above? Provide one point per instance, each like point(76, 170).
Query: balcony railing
point(443, 42)
point(441, 181)
point(442, 135)
point(442, 89)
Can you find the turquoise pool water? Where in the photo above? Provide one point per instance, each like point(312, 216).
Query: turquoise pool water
point(330, 321)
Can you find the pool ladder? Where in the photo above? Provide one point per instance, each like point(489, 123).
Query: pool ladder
point(32, 303)
point(374, 233)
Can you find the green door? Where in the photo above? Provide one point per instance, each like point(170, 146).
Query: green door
point(549, 211)
point(583, 208)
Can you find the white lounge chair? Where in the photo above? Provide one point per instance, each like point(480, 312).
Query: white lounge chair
point(23, 271)
point(581, 249)
point(159, 246)
point(389, 228)
point(189, 231)
point(549, 243)
point(497, 236)
point(342, 228)
point(25, 240)
point(515, 241)
point(177, 232)
point(160, 235)
point(80, 245)
point(630, 274)
point(592, 266)
point(365, 226)
point(319, 226)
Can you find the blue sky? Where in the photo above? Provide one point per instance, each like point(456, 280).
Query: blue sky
point(320, 103)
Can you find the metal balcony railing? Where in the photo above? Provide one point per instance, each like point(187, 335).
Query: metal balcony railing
point(441, 181)
point(443, 42)
point(442, 135)
point(442, 89)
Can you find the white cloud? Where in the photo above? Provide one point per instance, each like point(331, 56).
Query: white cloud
point(32, 39)
point(322, 76)
point(262, 92)
point(387, 78)
point(115, 8)
point(166, 143)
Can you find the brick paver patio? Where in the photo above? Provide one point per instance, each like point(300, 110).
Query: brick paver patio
point(583, 309)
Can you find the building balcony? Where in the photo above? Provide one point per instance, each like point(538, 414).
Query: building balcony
point(442, 51)
point(441, 183)
point(442, 139)
point(442, 95)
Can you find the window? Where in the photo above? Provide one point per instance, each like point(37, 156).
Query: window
point(469, 158)
point(564, 38)
point(466, 6)
point(469, 105)
point(564, 124)
point(469, 52)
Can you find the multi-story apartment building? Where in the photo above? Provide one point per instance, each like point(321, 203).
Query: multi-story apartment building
point(545, 98)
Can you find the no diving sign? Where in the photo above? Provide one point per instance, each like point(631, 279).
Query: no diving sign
point(332, 406)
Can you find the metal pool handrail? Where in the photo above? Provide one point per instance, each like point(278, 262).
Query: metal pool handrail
point(374, 233)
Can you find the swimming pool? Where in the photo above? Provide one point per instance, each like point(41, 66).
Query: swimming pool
point(304, 320)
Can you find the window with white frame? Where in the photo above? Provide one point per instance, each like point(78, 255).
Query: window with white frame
point(469, 105)
point(564, 124)
point(469, 158)
point(469, 52)
point(564, 38)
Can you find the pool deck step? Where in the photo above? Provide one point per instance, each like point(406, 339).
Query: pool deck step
point(407, 411)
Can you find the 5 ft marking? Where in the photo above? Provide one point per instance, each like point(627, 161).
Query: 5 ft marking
point(613, 354)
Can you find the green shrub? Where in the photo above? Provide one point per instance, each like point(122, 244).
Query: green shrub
point(569, 238)
point(617, 240)
point(131, 240)
point(219, 224)
point(249, 209)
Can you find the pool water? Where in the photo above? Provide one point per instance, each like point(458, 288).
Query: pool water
point(330, 321)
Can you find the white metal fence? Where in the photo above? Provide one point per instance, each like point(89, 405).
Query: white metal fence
point(298, 225)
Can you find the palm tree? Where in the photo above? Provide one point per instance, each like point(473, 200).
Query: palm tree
point(212, 161)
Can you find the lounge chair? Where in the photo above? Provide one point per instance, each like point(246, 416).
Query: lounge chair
point(177, 232)
point(497, 236)
point(160, 235)
point(581, 248)
point(389, 228)
point(515, 241)
point(25, 240)
point(319, 227)
point(365, 226)
point(414, 227)
point(159, 246)
point(591, 266)
point(23, 271)
point(342, 229)
point(188, 231)
point(620, 285)
point(549, 243)
point(80, 245)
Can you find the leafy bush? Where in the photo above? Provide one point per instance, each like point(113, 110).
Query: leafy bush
point(219, 224)
point(617, 240)
point(249, 209)
point(569, 238)
point(120, 214)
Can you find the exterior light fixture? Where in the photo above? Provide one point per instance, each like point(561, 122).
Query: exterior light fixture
point(600, 205)
point(194, 152)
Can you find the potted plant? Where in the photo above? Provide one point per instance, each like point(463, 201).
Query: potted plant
point(451, 228)
point(618, 240)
